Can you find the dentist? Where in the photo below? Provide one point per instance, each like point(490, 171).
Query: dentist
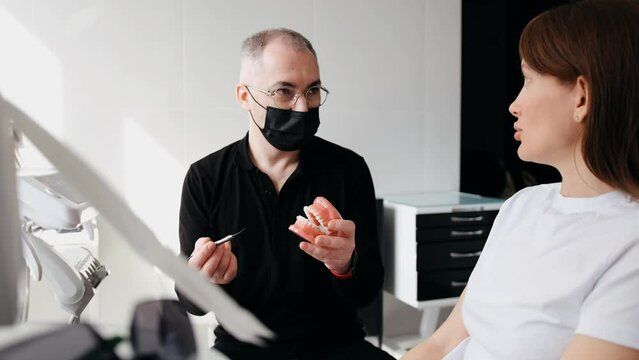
point(307, 293)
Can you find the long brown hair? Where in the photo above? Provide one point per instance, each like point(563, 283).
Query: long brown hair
point(599, 40)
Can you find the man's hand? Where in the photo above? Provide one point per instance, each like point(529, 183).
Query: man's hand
point(334, 251)
point(217, 263)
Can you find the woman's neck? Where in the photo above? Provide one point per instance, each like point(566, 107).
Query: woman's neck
point(578, 180)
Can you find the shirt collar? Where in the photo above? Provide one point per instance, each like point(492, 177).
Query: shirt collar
point(309, 156)
point(242, 154)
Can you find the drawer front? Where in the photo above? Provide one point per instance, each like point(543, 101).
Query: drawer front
point(441, 284)
point(456, 218)
point(453, 233)
point(448, 254)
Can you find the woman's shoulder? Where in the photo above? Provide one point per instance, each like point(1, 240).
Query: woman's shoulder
point(531, 195)
point(538, 190)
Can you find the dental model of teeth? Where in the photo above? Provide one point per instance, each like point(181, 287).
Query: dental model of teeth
point(318, 215)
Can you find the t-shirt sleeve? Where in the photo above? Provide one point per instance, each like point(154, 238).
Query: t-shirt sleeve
point(194, 221)
point(504, 215)
point(611, 311)
point(193, 225)
point(368, 272)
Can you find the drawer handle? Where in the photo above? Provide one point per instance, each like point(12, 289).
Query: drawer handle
point(466, 218)
point(466, 233)
point(456, 284)
point(457, 255)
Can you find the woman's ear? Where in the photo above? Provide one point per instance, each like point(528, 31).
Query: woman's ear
point(241, 95)
point(582, 94)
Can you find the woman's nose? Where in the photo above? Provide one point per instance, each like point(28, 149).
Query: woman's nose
point(514, 108)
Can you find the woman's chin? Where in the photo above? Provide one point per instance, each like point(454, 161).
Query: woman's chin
point(523, 154)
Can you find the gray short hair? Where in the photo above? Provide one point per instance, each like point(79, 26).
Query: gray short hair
point(254, 45)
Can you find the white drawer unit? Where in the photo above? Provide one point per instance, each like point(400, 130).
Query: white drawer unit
point(432, 242)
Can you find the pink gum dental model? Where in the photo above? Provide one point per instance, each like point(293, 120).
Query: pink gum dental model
point(318, 215)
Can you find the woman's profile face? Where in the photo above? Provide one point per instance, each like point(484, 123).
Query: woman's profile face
point(545, 112)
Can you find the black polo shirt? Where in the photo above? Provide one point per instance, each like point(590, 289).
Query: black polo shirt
point(292, 293)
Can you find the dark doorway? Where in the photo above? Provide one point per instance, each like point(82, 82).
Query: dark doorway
point(491, 80)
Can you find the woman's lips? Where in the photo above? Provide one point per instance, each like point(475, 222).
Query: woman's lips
point(517, 134)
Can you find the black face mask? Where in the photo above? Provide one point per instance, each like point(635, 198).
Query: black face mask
point(289, 130)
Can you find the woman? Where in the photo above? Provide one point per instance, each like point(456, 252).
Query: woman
point(559, 275)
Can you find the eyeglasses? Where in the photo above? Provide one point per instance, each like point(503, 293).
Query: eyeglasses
point(285, 98)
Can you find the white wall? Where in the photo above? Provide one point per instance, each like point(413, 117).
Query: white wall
point(143, 88)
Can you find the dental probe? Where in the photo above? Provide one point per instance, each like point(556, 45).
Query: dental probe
point(221, 241)
point(228, 238)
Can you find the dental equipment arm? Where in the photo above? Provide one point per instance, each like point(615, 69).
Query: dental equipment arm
point(69, 288)
point(47, 202)
point(74, 273)
point(50, 203)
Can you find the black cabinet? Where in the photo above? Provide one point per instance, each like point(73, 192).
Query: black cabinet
point(448, 246)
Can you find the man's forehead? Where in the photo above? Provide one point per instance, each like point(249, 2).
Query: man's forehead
point(281, 64)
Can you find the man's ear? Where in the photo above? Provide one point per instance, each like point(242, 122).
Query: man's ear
point(242, 96)
point(582, 103)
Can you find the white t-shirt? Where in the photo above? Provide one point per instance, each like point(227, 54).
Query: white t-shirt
point(554, 267)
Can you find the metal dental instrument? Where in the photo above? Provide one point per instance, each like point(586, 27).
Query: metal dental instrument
point(221, 241)
point(228, 238)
